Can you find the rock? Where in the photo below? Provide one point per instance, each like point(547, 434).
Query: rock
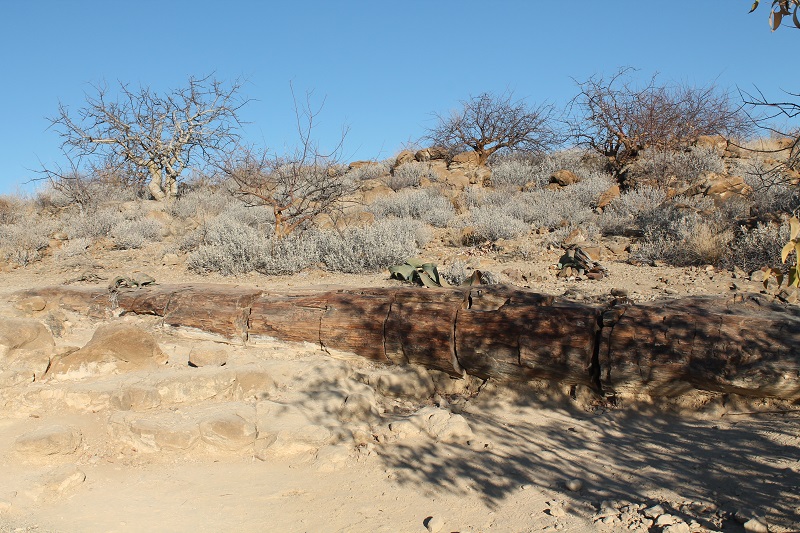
point(406, 156)
point(756, 525)
point(666, 520)
point(556, 508)
point(405, 382)
point(195, 386)
point(230, 428)
point(24, 335)
point(443, 425)
point(564, 177)
point(654, 511)
point(50, 440)
point(434, 523)
point(574, 484)
point(208, 354)
point(171, 260)
point(171, 431)
point(515, 275)
point(678, 527)
point(465, 161)
point(621, 293)
point(31, 305)
point(137, 397)
point(611, 194)
point(285, 430)
point(432, 153)
point(359, 406)
point(113, 347)
point(252, 381)
point(719, 187)
point(60, 481)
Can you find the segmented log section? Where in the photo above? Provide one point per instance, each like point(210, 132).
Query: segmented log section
point(420, 328)
point(354, 321)
point(744, 345)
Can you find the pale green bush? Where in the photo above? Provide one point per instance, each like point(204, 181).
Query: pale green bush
point(761, 246)
point(492, 224)
point(133, 234)
point(26, 240)
point(372, 248)
point(421, 204)
point(410, 175)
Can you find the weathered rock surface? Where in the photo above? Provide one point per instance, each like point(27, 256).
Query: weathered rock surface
point(113, 347)
point(49, 440)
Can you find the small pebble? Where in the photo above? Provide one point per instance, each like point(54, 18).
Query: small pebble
point(756, 525)
point(574, 484)
point(654, 511)
point(434, 523)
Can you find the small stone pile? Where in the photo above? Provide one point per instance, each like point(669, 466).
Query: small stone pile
point(576, 264)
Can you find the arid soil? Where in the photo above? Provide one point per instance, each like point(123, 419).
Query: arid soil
point(286, 437)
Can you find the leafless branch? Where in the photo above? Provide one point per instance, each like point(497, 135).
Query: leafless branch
point(298, 187)
point(488, 123)
point(618, 120)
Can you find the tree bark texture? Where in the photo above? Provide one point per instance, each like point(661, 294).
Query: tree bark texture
point(742, 344)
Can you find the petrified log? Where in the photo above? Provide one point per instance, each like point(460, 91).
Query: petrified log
point(743, 344)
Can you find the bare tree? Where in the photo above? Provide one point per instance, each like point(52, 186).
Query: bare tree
point(297, 187)
point(780, 9)
point(488, 123)
point(158, 134)
point(618, 120)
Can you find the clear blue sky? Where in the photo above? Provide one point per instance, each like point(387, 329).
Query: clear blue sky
point(384, 67)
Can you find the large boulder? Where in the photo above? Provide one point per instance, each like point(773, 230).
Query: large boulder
point(49, 440)
point(608, 196)
point(406, 156)
point(431, 154)
point(719, 187)
point(465, 161)
point(286, 430)
point(113, 347)
point(19, 334)
point(564, 177)
point(25, 349)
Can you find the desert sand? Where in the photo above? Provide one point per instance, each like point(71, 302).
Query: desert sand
point(279, 436)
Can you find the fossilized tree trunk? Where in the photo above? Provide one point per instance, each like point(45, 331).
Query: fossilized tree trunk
point(742, 344)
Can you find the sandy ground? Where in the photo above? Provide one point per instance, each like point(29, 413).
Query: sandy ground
point(501, 459)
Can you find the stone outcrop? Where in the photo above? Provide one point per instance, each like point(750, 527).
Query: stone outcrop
point(113, 347)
